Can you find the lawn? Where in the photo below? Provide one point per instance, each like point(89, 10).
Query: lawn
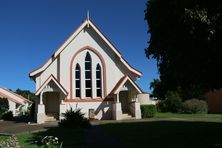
point(3, 137)
point(191, 117)
point(71, 137)
point(187, 133)
point(164, 130)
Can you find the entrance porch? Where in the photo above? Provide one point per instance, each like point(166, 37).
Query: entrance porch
point(50, 106)
point(126, 103)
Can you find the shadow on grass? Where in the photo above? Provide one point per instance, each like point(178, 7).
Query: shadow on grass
point(172, 134)
point(71, 137)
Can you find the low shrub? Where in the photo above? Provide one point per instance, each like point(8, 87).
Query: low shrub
point(195, 106)
point(172, 103)
point(74, 118)
point(7, 116)
point(148, 111)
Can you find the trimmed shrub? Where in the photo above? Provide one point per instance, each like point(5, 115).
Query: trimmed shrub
point(148, 111)
point(74, 118)
point(7, 116)
point(195, 106)
point(173, 103)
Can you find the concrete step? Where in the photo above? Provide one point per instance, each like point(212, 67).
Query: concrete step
point(126, 116)
point(50, 118)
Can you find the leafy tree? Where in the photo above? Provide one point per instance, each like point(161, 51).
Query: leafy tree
point(186, 42)
point(172, 103)
point(157, 88)
point(27, 94)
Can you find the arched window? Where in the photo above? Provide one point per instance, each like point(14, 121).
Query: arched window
point(78, 81)
point(98, 81)
point(88, 75)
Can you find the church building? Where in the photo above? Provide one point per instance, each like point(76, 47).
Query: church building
point(89, 73)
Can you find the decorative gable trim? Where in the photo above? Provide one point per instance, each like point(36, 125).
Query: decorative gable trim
point(122, 81)
point(51, 78)
point(88, 23)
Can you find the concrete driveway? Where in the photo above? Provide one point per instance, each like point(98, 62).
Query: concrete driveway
point(13, 127)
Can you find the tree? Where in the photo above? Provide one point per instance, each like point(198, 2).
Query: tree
point(157, 88)
point(186, 42)
point(27, 94)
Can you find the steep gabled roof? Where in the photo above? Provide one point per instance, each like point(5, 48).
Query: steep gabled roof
point(122, 81)
point(5, 93)
point(51, 78)
point(69, 40)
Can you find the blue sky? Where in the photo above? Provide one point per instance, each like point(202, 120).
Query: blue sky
point(30, 31)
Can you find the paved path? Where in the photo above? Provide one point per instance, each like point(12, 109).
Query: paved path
point(98, 138)
point(12, 127)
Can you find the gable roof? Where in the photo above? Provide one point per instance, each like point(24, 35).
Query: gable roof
point(122, 81)
point(88, 23)
point(5, 93)
point(51, 78)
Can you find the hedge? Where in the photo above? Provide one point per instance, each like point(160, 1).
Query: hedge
point(148, 111)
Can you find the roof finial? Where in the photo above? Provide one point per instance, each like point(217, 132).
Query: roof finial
point(88, 14)
point(88, 18)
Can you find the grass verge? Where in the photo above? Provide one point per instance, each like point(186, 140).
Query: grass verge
point(70, 137)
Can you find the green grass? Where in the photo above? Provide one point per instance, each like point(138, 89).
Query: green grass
point(70, 137)
point(175, 130)
point(192, 117)
point(3, 137)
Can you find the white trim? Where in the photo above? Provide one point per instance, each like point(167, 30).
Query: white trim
point(72, 37)
point(123, 82)
point(47, 81)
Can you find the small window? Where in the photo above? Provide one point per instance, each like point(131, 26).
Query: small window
point(88, 93)
point(98, 81)
point(77, 92)
point(77, 75)
point(98, 74)
point(87, 65)
point(77, 81)
point(88, 74)
point(98, 92)
point(88, 84)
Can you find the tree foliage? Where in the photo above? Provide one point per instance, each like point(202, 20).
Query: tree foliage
point(27, 94)
point(186, 42)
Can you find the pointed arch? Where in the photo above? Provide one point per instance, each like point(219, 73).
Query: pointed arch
point(88, 57)
point(103, 67)
point(77, 81)
point(98, 81)
point(88, 75)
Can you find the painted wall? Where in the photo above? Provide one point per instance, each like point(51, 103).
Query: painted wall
point(103, 110)
point(144, 99)
point(12, 107)
point(87, 37)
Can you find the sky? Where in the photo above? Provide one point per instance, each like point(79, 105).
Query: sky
point(32, 30)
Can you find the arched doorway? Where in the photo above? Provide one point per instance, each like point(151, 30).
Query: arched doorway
point(52, 101)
